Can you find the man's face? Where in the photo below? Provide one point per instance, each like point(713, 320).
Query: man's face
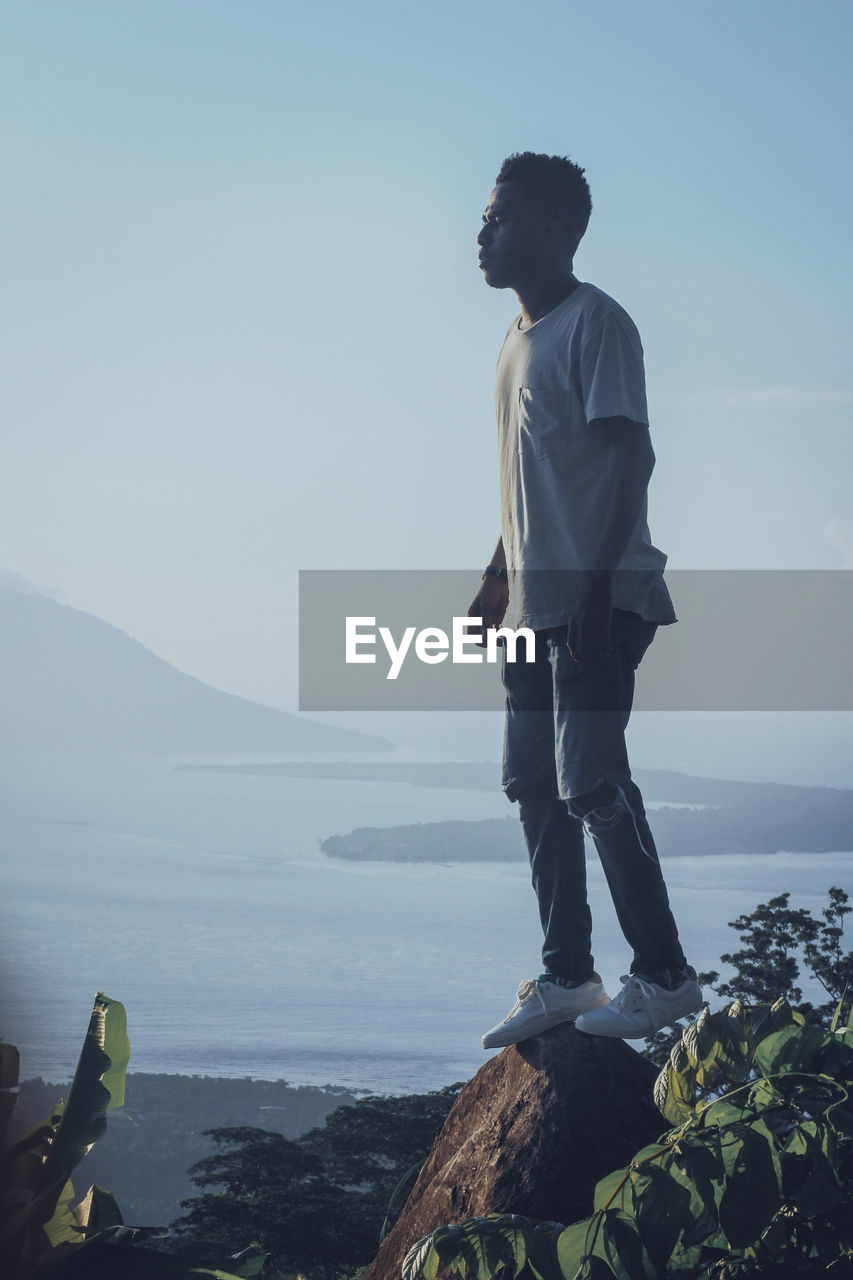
point(517, 246)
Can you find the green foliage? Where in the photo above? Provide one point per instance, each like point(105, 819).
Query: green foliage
point(757, 1171)
point(44, 1234)
point(9, 1067)
point(126, 1253)
point(98, 1085)
point(36, 1170)
point(275, 1191)
point(375, 1143)
point(483, 1247)
point(773, 935)
point(160, 1132)
point(777, 941)
point(286, 1193)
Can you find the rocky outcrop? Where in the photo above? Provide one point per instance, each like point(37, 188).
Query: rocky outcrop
point(532, 1133)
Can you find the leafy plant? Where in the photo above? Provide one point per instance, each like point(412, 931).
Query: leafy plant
point(274, 1190)
point(757, 1170)
point(9, 1068)
point(37, 1170)
point(43, 1233)
point(778, 941)
point(777, 938)
point(351, 1171)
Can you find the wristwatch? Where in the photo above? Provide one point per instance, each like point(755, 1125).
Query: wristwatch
point(495, 571)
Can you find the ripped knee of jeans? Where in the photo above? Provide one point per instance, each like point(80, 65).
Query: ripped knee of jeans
point(605, 809)
point(604, 796)
point(602, 809)
point(604, 818)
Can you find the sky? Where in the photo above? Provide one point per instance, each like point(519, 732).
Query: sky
point(245, 332)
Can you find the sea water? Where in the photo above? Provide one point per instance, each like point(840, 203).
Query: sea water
point(203, 903)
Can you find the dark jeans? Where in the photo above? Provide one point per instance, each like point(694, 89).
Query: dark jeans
point(565, 735)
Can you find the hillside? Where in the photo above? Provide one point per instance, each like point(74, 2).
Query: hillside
point(69, 680)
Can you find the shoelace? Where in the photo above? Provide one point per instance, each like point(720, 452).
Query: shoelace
point(634, 993)
point(528, 989)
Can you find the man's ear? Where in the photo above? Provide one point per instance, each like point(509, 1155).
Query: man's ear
point(554, 231)
point(558, 234)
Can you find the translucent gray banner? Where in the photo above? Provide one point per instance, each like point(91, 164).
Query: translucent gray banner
point(745, 640)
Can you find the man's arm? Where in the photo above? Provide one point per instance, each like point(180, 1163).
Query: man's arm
point(634, 457)
point(612, 384)
point(588, 633)
point(499, 558)
point(492, 600)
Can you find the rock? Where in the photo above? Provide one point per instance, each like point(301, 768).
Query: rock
point(532, 1133)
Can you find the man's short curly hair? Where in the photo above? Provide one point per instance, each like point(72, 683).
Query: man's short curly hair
point(557, 178)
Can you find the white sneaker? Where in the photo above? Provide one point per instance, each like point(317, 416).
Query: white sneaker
point(642, 1008)
point(540, 1005)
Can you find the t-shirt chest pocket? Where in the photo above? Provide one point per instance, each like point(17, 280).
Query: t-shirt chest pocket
point(544, 421)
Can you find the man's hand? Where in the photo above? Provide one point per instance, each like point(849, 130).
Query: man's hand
point(588, 636)
point(490, 603)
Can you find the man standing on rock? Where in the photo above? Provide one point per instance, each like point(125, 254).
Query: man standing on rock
point(576, 564)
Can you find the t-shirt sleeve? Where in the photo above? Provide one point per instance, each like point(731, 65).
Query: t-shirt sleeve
point(612, 377)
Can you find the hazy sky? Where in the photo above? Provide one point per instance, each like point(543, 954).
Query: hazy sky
point(245, 332)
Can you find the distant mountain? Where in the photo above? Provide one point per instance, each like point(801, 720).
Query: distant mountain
point(70, 680)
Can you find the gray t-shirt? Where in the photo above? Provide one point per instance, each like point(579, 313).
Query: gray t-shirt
point(581, 361)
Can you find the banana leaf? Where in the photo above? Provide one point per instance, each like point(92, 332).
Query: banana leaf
point(9, 1064)
point(97, 1088)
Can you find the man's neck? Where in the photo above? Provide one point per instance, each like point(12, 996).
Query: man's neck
point(537, 300)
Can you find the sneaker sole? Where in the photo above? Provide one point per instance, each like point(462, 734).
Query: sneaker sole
point(503, 1041)
point(614, 1033)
